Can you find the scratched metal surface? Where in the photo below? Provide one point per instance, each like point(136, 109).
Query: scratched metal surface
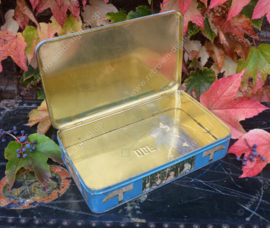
point(211, 197)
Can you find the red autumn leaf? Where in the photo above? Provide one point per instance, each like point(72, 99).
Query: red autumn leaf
point(185, 68)
point(21, 18)
point(85, 1)
point(58, 7)
point(205, 2)
point(238, 25)
point(194, 15)
point(168, 5)
point(262, 8)
point(44, 126)
point(40, 116)
point(34, 35)
point(46, 31)
point(34, 3)
point(216, 53)
point(191, 12)
point(263, 94)
point(13, 46)
point(220, 99)
point(215, 3)
point(236, 45)
point(244, 145)
point(182, 4)
point(231, 32)
point(23, 14)
point(236, 7)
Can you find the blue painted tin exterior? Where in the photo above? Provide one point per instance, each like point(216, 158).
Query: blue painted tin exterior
point(102, 200)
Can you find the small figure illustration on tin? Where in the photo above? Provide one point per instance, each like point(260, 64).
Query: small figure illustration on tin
point(171, 177)
point(168, 174)
point(187, 168)
point(158, 180)
point(147, 185)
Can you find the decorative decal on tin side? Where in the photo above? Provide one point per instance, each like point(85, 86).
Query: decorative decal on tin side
point(168, 174)
point(119, 193)
point(212, 151)
point(73, 174)
point(27, 192)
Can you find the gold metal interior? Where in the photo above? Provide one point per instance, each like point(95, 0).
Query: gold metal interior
point(129, 142)
point(112, 92)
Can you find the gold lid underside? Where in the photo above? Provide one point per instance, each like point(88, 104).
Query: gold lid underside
point(94, 70)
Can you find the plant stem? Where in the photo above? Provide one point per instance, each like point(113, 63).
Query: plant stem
point(12, 136)
point(254, 43)
point(248, 144)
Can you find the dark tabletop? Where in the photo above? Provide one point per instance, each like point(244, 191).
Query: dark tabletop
point(211, 197)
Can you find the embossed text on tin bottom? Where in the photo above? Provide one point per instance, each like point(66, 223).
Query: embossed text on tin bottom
point(144, 150)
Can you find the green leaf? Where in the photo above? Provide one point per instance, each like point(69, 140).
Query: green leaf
point(71, 25)
point(35, 161)
point(248, 12)
point(26, 82)
point(40, 94)
point(200, 5)
point(257, 23)
point(141, 11)
point(249, 8)
point(257, 65)
point(194, 64)
point(117, 17)
point(31, 38)
point(200, 81)
point(30, 77)
point(193, 29)
point(208, 32)
point(149, 1)
point(31, 73)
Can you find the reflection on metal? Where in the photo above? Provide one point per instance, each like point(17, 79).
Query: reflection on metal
point(119, 193)
point(27, 191)
point(212, 152)
point(73, 174)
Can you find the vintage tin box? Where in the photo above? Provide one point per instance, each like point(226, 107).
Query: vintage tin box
point(124, 127)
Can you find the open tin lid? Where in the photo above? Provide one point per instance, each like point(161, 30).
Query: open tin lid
point(111, 66)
